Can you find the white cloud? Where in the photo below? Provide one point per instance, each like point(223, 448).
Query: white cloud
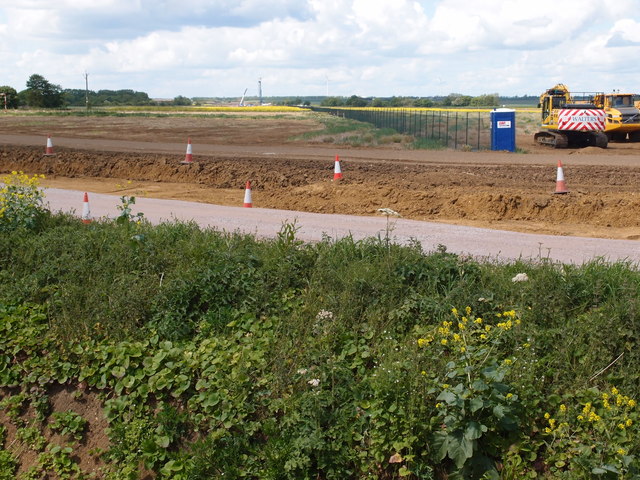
point(366, 47)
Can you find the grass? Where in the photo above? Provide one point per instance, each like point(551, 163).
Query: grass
point(338, 359)
point(320, 360)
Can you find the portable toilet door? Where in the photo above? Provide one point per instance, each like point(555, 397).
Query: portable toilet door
point(503, 129)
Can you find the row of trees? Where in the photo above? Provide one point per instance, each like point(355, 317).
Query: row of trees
point(40, 93)
point(451, 100)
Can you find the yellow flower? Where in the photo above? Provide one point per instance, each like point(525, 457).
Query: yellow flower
point(621, 451)
point(478, 321)
point(462, 349)
point(454, 310)
point(631, 403)
point(487, 328)
point(438, 405)
point(423, 372)
point(422, 342)
point(456, 337)
point(614, 390)
point(629, 422)
point(547, 415)
point(444, 341)
point(621, 426)
point(468, 310)
point(445, 385)
point(483, 336)
point(563, 408)
point(509, 395)
point(507, 361)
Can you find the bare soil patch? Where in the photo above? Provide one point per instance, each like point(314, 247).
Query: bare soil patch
point(490, 189)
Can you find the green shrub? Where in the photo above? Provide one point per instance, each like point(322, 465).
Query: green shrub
point(21, 202)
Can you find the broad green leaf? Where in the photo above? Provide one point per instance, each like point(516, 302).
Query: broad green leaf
point(474, 430)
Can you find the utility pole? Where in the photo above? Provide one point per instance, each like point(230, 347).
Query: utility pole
point(86, 90)
point(260, 91)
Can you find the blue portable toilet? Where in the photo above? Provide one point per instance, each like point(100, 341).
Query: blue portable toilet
point(503, 129)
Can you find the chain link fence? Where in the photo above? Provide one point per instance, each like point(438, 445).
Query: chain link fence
point(467, 129)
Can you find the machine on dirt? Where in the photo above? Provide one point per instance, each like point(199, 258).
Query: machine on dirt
point(571, 120)
point(622, 115)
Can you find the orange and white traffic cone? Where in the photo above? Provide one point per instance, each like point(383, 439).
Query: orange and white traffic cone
point(188, 158)
point(86, 212)
point(337, 171)
point(247, 196)
point(49, 149)
point(561, 185)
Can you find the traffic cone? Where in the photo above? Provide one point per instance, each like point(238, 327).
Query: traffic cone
point(561, 185)
point(337, 171)
point(86, 213)
point(188, 158)
point(49, 149)
point(247, 195)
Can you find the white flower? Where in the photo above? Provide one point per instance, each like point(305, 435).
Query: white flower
point(314, 382)
point(521, 277)
point(302, 371)
point(324, 315)
point(388, 211)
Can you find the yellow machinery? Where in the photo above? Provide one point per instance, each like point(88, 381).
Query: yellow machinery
point(570, 121)
point(623, 115)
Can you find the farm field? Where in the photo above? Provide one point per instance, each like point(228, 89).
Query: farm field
point(291, 169)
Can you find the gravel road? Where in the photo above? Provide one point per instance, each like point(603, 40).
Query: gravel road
point(494, 245)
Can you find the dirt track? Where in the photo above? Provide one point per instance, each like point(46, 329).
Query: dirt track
point(142, 155)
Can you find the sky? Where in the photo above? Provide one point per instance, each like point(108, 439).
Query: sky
point(369, 48)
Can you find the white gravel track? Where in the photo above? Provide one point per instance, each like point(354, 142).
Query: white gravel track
point(480, 243)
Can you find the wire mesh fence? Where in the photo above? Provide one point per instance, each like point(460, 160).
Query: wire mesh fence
point(467, 129)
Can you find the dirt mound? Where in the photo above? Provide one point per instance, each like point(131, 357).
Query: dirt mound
point(515, 197)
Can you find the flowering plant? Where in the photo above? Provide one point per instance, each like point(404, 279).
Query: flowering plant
point(21, 202)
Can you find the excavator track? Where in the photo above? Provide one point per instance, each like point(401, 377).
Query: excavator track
point(552, 139)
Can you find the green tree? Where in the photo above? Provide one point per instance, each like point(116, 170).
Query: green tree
point(356, 101)
point(10, 95)
point(487, 100)
point(332, 102)
point(43, 94)
point(423, 102)
point(182, 101)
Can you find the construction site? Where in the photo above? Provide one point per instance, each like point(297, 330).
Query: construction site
point(144, 156)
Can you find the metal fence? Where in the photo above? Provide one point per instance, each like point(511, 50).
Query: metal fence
point(468, 128)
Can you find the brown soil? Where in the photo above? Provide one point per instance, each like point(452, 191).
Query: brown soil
point(142, 156)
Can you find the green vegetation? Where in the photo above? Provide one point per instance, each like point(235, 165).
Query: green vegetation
point(217, 355)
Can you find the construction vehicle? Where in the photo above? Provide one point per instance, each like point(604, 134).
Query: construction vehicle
point(570, 120)
point(622, 115)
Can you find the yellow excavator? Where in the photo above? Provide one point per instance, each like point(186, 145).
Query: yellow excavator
point(623, 115)
point(570, 120)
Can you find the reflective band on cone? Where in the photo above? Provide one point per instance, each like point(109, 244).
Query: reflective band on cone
point(188, 158)
point(561, 185)
point(49, 149)
point(247, 196)
point(337, 171)
point(86, 212)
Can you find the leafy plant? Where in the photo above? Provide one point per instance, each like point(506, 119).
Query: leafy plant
point(8, 465)
point(21, 202)
point(126, 215)
point(68, 423)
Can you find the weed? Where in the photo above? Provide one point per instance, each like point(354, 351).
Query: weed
point(68, 423)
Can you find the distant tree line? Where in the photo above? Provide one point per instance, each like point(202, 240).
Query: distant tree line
point(40, 93)
point(451, 100)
